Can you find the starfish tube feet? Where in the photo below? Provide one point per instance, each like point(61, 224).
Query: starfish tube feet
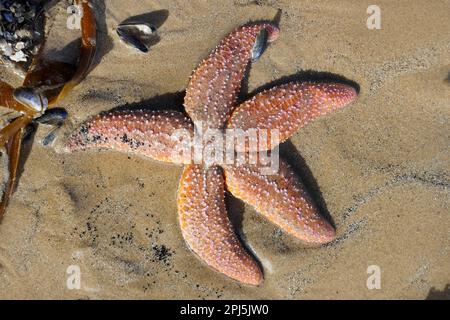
point(282, 199)
point(214, 85)
point(152, 134)
point(290, 107)
point(206, 228)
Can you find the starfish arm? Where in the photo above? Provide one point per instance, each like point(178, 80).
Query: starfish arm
point(282, 199)
point(214, 85)
point(160, 135)
point(206, 228)
point(290, 107)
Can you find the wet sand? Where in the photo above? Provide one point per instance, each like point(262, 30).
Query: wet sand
point(379, 168)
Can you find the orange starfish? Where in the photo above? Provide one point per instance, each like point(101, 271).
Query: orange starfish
point(211, 98)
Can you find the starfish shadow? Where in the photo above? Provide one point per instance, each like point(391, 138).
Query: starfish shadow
point(308, 76)
point(168, 101)
point(291, 155)
point(235, 208)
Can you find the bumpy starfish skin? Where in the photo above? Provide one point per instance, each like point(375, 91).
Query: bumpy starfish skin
point(148, 133)
point(289, 107)
point(282, 199)
point(206, 228)
point(215, 83)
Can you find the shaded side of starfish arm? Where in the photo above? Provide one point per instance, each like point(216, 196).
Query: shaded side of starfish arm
point(289, 107)
point(206, 228)
point(282, 199)
point(215, 83)
point(155, 134)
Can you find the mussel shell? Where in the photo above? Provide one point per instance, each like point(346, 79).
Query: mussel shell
point(136, 34)
point(31, 98)
point(53, 117)
point(260, 44)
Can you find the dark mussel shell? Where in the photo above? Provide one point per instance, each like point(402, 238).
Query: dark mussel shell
point(31, 98)
point(139, 35)
point(260, 44)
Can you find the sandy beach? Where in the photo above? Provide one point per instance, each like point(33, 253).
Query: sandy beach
point(379, 169)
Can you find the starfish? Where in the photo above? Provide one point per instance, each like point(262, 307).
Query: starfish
point(211, 98)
